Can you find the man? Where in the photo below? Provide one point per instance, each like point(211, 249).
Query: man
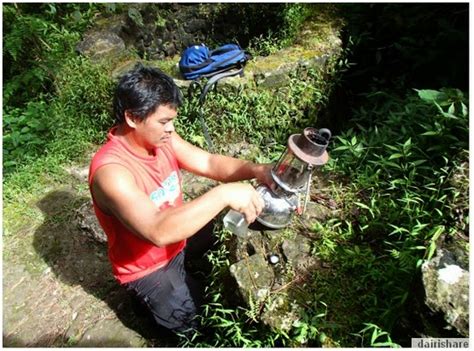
point(135, 182)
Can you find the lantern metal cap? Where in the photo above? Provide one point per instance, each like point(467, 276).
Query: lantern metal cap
point(310, 146)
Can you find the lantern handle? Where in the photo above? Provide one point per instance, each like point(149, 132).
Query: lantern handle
point(325, 131)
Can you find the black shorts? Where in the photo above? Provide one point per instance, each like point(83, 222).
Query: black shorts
point(167, 294)
point(170, 293)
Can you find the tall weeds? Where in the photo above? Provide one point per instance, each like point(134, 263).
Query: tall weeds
point(398, 162)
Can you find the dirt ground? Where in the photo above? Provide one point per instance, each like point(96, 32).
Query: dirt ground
point(58, 289)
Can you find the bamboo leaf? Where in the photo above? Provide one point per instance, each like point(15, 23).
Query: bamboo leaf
point(362, 205)
point(393, 164)
point(451, 109)
point(418, 162)
point(465, 111)
point(394, 156)
point(431, 250)
point(429, 95)
point(391, 147)
point(431, 132)
point(341, 148)
point(436, 232)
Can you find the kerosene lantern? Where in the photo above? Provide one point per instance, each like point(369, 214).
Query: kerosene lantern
point(291, 179)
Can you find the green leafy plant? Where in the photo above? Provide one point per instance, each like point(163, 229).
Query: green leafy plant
point(25, 133)
point(36, 38)
point(399, 156)
point(378, 337)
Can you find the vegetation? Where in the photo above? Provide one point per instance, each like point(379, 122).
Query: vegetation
point(44, 110)
point(393, 174)
point(398, 162)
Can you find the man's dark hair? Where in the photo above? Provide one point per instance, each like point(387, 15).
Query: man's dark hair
point(141, 90)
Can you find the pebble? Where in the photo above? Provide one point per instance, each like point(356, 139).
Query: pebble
point(274, 259)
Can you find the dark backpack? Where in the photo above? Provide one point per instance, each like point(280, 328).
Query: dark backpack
point(198, 61)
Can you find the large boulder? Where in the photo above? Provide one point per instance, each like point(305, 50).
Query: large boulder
point(265, 271)
point(254, 278)
point(446, 286)
point(298, 254)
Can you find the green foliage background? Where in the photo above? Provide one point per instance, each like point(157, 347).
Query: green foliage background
point(399, 157)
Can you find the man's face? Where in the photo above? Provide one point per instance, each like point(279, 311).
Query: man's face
point(156, 129)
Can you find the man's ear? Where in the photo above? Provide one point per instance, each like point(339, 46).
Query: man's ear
point(130, 120)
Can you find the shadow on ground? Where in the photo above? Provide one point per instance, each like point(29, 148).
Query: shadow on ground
point(77, 260)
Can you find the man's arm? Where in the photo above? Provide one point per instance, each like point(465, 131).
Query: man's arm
point(116, 193)
point(218, 167)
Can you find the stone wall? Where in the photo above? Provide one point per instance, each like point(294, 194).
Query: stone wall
point(163, 31)
point(157, 31)
point(318, 45)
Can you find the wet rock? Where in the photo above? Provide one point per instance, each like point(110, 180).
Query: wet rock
point(87, 221)
point(298, 253)
point(274, 71)
point(114, 24)
point(232, 84)
point(257, 279)
point(124, 68)
point(254, 278)
point(166, 30)
point(169, 49)
point(224, 85)
point(315, 62)
point(101, 44)
point(279, 314)
point(195, 25)
point(447, 289)
point(182, 83)
point(248, 246)
point(315, 212)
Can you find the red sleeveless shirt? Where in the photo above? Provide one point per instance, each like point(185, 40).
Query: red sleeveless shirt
point(159, 177)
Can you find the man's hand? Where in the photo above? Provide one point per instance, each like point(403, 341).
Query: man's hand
point(243, 198)
point(262, 173)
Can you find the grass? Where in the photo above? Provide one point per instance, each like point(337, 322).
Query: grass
point(394, 201)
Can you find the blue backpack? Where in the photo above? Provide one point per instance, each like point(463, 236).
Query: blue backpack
point(198, 61)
